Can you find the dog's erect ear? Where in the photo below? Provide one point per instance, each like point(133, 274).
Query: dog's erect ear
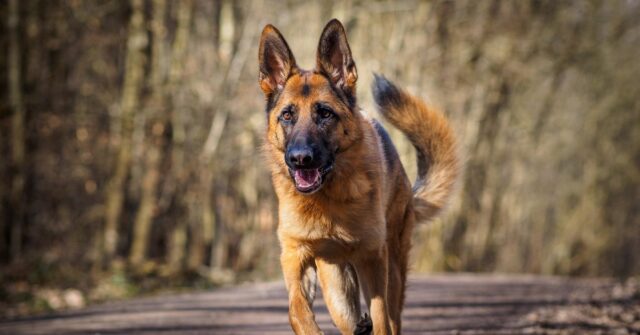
point(275, 60)
point(334, 58)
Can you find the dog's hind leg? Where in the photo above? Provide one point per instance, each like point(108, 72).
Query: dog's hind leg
point(395, 296)
point(309, 280)
point(341, 292)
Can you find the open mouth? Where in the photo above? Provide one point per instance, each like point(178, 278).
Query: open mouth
point(309, 180)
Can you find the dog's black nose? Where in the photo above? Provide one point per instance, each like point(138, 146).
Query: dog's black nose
point(300, 156)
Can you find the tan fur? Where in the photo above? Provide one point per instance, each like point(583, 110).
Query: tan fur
point(360, 221)
point(430, 133)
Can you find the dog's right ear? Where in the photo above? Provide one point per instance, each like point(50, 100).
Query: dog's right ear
point(275, 60)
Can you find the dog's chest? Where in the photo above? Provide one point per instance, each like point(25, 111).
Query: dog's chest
point(332, 234)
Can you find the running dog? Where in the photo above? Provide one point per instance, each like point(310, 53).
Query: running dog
point(346, 206)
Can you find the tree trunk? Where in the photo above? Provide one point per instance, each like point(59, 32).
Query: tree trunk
point(134, 72)
point(177, 239)
point(18, 147)
point(201, 228)
point(154, 110)
point(476, 174)
point(244, 34)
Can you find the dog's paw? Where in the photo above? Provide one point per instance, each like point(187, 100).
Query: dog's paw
point(364, 326)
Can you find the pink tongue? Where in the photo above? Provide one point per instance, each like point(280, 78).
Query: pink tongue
point(306, 178)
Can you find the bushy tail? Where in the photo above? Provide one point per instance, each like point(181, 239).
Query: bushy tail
point(430, 133)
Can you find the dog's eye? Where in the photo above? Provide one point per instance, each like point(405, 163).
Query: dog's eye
point(286, 116)
point(325, 112)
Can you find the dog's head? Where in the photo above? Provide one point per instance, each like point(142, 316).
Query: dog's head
point(312, 115)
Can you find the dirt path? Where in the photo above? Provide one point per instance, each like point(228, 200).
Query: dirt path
point(451, 304)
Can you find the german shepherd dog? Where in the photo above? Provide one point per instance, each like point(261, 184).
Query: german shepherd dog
point(346, 206)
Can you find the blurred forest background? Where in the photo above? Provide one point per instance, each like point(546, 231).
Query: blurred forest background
point(130, 136)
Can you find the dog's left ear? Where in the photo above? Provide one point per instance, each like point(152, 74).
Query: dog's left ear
point(334, 58)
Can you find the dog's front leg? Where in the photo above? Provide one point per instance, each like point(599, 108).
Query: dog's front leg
point(341, 292)
point(372, 271)
point(295, 265)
